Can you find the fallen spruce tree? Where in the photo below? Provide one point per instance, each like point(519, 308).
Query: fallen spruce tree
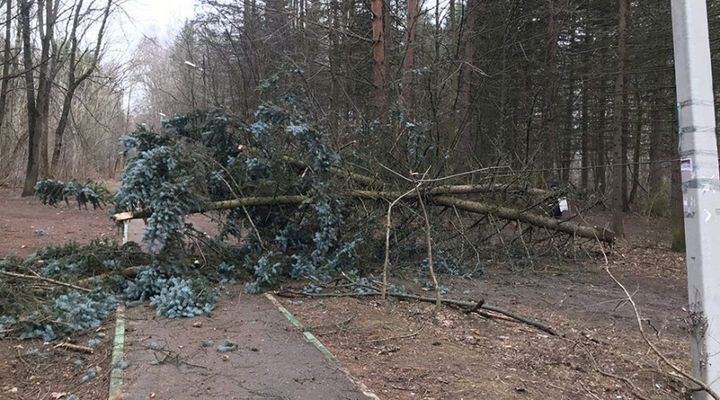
point(601, 234)
point(436, 196)
point(289, 202)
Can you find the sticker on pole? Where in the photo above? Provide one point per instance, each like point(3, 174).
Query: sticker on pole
point(686, 165)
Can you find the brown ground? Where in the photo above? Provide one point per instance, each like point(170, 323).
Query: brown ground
point(25, 375)
point(22, 218)
point(406, 351)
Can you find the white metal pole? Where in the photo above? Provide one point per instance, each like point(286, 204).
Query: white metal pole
point(700, 185)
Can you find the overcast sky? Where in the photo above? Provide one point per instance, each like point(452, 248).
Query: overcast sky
point(159, 19)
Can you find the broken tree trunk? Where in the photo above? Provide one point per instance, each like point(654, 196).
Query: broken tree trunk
point(507, 213)
point(494, 188)
point(435, 194)
point(220, 205)
point(512, 214)
point(477, 207)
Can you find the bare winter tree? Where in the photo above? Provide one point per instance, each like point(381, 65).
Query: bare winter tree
point(34, 131)
point(75, 73)
point(39, 87)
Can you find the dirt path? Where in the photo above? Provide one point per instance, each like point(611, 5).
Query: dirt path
point(26, 224)
point(179, 359)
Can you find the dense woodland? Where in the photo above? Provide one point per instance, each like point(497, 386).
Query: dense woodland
point(574, 90)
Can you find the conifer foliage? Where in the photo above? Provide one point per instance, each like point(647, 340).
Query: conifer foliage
point(198, 158)
point(52, 191)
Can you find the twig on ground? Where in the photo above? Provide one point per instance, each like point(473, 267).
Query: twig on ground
point(476, 307)
point(591, 394)
point(407, 336)
point(171, 357)
point(75, 347)
point(43, 279)
point(462, 305)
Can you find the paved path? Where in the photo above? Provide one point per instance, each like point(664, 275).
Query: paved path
point(172, 359)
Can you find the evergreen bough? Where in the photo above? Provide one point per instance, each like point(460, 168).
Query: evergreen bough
point(52, 191)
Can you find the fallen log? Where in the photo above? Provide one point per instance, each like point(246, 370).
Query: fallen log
point(220, 205)
point(506, 213)
point(510, 214)
point(493, 188)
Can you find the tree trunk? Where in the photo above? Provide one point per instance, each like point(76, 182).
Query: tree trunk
point(452, 23)
point(584, 152)
point(567, 139)
point(548, 126)
point(511, 214)
point(409, 60)
point(47, 70)
point(506, 213)
point(600, 168)
point(584, 120)
point(387, 28)
point(67, 101)
point(378, 53)
point(636, 152)
point(655, 178)
point(334, 60)
point(32, 170)
point(618, 162)
point(463, 141)
point(624, 148)
point(7, 60)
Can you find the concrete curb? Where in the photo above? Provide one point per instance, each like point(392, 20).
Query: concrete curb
point(116, 373)
point(321, 347)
